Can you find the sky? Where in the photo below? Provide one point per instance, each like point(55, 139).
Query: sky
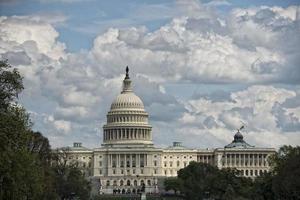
point(202, 68)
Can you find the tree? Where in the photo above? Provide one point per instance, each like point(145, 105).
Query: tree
point(21, 172)
point(25, 156)
point(10, 84)
point(205, 181)
point(286, 173)
point(173, 184)
point(69, 180)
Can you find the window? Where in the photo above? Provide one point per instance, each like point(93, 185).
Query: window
point(114, 171)
point(155, 163)
point(184, 164)
point(149, 182)
point(90, 164)
point(121, 182)
point(155, 156)
point(178, 163)
point(165, 164)
point(83, 165)
point(122, 171)
point(83, 158)
point(135, 182)
point(100, 171)
point(133, 171)
point(155, 171)
point(165, 172)
point(142, 171)
point(107, 183)
point(100, 157)
point(100, 163)
point(171, 164)
point(127, 163)
point(128, 182)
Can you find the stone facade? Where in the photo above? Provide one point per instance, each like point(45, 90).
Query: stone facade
point(128, 162)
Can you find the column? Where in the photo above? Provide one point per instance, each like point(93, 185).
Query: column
point(125, 161)
point(130, 156)
point(235, 164)
point(137, 160)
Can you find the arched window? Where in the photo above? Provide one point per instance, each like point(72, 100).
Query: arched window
point(135, 182)
point(121, 182)
point(149, 182)
point(128, 182)
point(115, 183)
point(142, 182)
point(107, 183)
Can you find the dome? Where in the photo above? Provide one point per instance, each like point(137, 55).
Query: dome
point(127, 121)
point(238, 142)
point(238, 137)
point(127, 100)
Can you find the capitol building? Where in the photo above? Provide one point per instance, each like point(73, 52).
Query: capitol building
point(128, 161)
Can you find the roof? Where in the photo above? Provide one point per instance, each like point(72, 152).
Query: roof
point(238, 142)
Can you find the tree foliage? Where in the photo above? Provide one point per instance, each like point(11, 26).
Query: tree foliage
point(25, 155)
point(202, 181)
point(174, 184)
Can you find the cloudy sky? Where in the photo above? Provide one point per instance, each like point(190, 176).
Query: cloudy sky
point(202, 68)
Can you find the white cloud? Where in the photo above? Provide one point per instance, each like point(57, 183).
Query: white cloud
point(251, 46)
point(253, 107)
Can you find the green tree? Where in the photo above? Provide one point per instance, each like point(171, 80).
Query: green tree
point(173, 184)
point(10, 84)
point(21, 171)
point(286, 173)
point(69, 180)
point(205, 181)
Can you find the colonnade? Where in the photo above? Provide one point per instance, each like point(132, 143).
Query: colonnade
point(127, 134)
point(131, 118)
point(209, 159)
point(132, 160)
point(244, 159)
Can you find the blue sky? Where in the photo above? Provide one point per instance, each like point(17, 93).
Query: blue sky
point(202, 68)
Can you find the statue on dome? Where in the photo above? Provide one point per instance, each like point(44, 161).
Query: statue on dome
point(127, 72)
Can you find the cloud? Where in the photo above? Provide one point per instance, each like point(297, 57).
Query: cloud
point(72, 92)
point(260, 108)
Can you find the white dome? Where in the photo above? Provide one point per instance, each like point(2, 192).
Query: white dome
point(127, 120)
point(127, 100)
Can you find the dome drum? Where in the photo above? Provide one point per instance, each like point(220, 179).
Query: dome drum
point(131, 134)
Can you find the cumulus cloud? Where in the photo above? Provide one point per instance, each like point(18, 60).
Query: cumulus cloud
point(260, 108)
point(248, 47)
